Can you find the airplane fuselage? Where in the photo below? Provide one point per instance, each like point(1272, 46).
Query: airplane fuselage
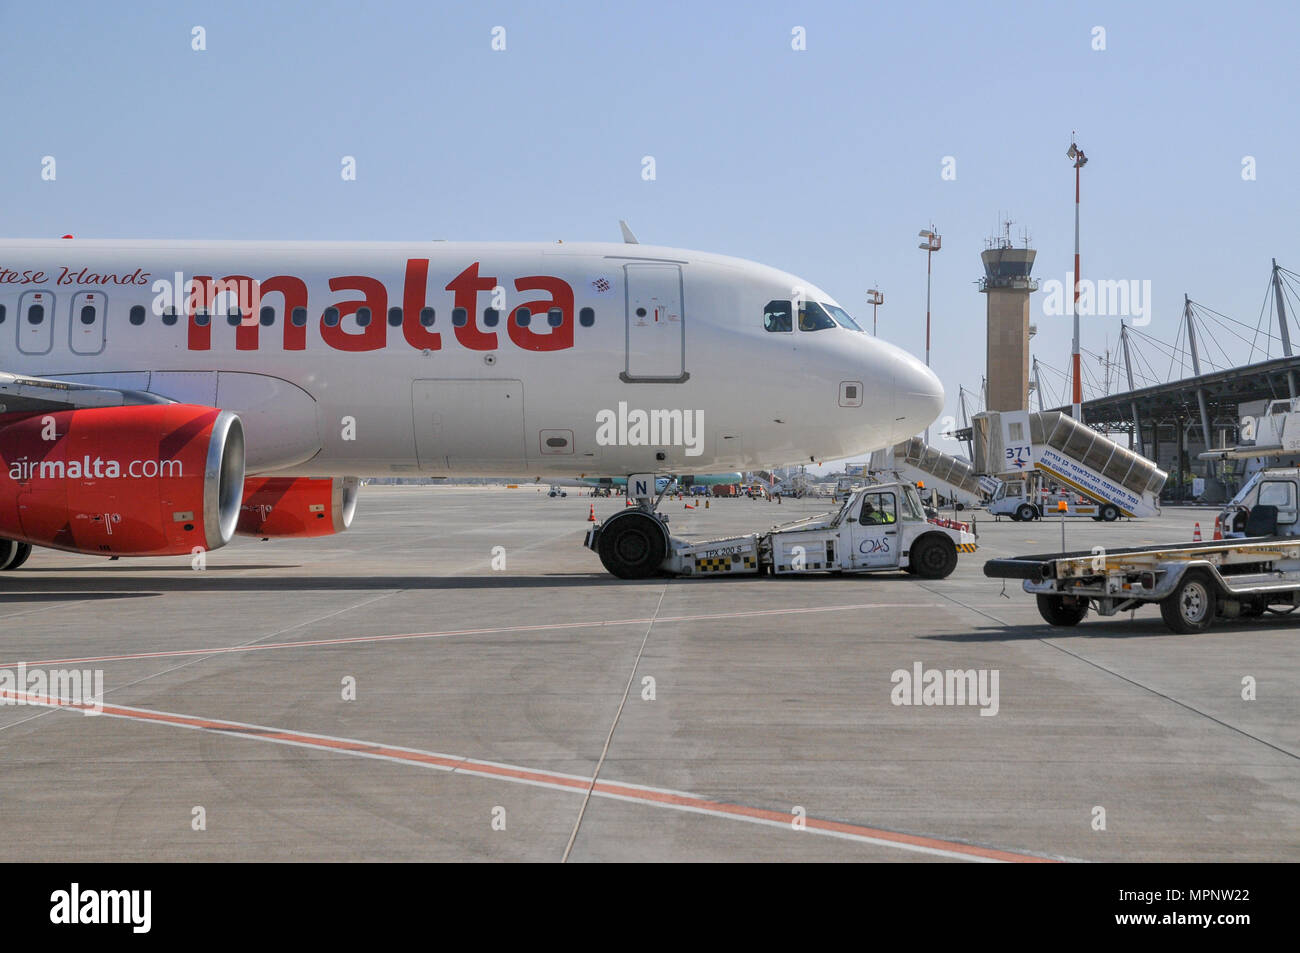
point(463, 358)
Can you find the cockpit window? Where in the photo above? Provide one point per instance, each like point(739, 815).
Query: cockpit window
point(842, 317)
point(813, 317)
point(776, 316)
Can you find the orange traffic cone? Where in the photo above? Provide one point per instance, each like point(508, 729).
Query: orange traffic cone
point(1218, 527)
point(1196, 534)
point(591, 517)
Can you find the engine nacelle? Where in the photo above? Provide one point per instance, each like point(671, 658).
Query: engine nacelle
point(297, 507)
point(147, 480)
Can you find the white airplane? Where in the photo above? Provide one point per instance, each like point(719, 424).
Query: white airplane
point(156, 397)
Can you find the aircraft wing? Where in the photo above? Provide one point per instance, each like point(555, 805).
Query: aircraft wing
point(22, 394)
point(1244, 453)
point(581, 483)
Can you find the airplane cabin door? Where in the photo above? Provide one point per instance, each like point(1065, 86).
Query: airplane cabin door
point(656, 323)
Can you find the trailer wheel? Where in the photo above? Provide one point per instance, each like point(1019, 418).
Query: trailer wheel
point(1025, 512)
point(933, 557)
point(1110, 512)
point(632, 545)
point(13, 554)
point(1190, 607)
point(1062, 610)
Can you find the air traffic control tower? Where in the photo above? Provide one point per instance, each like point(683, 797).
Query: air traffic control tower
point(1007, 284)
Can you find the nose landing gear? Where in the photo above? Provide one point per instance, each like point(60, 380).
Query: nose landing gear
point(632, 544)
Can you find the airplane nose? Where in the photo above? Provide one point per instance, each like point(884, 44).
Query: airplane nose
point(918, 397)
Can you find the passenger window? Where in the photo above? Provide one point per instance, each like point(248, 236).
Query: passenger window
point(459, 317)
point(363, 317)
point(330, 317)
point(235, 317)
point(586, 317)
point(523, 317)
point(88, 314)
point(490, 317)
point(427, 316)
point(201, 317)
point(299, 317)
point(2, 314)
point(878, 509)
point(36, 314)
point(776, 316)
point(555, 317)
point(169, 316)
point(267, 316)
point(137, 315)
point(395, 317)
point(813, 317)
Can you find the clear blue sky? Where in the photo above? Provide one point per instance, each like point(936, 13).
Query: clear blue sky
point(825, 162)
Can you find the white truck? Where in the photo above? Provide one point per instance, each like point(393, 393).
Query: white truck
point(1032, 497)
point(878, 528)
point(1269, 495)
point(1048, 458)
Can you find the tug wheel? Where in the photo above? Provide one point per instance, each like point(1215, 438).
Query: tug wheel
point(933, 557)
point(632, 545)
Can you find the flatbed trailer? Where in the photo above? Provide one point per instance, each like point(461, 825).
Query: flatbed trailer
point(1193, 583)
point(881, 527)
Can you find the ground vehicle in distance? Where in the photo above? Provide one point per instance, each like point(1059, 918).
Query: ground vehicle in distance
point(879, 527)
point(1031, 498)
point(1093, 475)
point(844, 488)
